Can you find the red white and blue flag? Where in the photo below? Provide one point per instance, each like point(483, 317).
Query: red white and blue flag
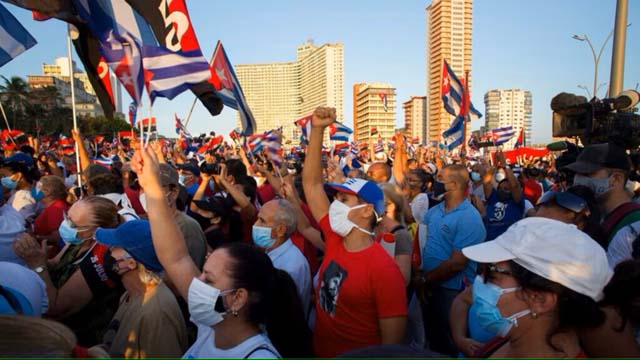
point(223, 77)
point(15, 38)
point(180, 129)
point(133, 113)
point(305, 126)
point(502, 134)
point(520, 141)
point(383, 97)
point(272, 144)
point(452, 90)
point(339, 132)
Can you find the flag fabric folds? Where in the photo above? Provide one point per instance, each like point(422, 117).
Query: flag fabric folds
point(383, 97)
point(339, 132)
point(133, 113)
point(454, 134)
point(180, 129)
point(225, 81)
point(502, 134)
point(520, 140)
point(171, 24)
point(14, 38)
point(305, 126)
point(452, 90)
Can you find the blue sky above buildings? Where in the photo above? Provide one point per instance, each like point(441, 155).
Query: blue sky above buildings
point(516, 44)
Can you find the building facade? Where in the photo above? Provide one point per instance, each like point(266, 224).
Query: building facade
point(449, 32)
point(509, 107)
point(280, 93)
point(415, 117)
point(374, 106)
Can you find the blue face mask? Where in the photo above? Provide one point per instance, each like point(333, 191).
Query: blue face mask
point(262, 236)
point(9, 183)
point(37, 194)
point(485, 299)
point(475, 176)
point(182, 179)
point(70, 234)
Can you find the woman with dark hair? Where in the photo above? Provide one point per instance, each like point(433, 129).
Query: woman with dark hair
point(81, 293)
point(238, 296)
point(46, 224)
point(541, 282)
point(617, 337)
point(20, 181)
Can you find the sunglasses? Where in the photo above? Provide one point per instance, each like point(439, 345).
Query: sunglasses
point(567, 200)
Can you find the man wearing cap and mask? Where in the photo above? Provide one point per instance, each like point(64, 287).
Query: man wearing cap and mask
point(360, 290)
point(453, 224)
point(605, 169)
point(148, 322)
point(191, 230)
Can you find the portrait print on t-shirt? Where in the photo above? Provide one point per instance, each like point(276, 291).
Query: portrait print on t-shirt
point(499, 212)
point(332, 280)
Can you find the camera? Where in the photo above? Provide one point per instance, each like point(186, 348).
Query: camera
point(598, 121)
point(210, 168)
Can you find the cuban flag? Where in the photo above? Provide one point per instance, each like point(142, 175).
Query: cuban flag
point(383, 97)
point(133, 113)
point(520, 141)
point(502, 134)
point(225, 81)
point(339, 132)
point(14, 38)
point(454, 134)
point(305, 126)
point(254, 143)
point(452, 90)
point(272, 144)
point(180, 129)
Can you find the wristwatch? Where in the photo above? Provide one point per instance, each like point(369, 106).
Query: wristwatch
point(39, 269)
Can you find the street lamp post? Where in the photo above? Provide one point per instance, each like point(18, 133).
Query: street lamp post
point(596, 58)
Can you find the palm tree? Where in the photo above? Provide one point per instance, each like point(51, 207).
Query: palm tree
point(14, 91)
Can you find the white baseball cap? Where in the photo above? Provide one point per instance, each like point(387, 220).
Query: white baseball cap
point(552, 249)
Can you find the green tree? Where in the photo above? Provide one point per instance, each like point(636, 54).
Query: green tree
point(15, 93)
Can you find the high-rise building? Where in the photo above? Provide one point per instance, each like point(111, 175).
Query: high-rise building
point(374, 106)
point(415, 117)
point(279, 93)
point(448, 38)
point(509, 107)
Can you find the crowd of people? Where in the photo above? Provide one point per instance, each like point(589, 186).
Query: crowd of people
point(160, 253)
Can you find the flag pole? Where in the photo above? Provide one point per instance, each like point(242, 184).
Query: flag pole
point(466, 113)
point(146, 141)
point(7, 122)
point(73, 104)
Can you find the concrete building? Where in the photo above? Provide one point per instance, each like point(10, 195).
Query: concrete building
point(85, 102)
point(509, 107)
point(374, 106)
point(279, 93)
point(415, 117)
point(449, 33)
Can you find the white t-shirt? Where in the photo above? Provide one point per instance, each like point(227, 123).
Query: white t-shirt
point(621, 246)
point(205, 347)
point(24, 203)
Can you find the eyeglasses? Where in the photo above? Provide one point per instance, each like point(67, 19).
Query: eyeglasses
point(74, 226)
point(566, 200)
point(499, 270)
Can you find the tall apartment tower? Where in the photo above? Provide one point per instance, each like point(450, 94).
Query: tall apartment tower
point(509, 107)
point(279, 93)
point(415, 117)
point(374, 106)
point(448, 38)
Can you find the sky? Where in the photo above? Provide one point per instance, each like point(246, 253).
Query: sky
point(516, 44)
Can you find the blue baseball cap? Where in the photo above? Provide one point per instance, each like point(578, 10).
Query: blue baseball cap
point(21, 158)
point(369, 191)
point(135, 237)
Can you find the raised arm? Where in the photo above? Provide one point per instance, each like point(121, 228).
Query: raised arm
point(312, 172)
point(82, 152)
point(303, 225)
point(400, 161)
point(168, 241)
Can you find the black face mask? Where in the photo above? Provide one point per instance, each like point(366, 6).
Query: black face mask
point(204, 222)
point(504, 195)
point(111, 266)
point(438, 189)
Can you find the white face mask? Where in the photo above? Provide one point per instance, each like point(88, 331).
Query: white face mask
point(202, 300)
point(339, 220)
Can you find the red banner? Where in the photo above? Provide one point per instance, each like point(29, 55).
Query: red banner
point(512, 155)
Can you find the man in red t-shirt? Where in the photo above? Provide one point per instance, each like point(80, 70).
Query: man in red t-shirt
point(360, 292)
